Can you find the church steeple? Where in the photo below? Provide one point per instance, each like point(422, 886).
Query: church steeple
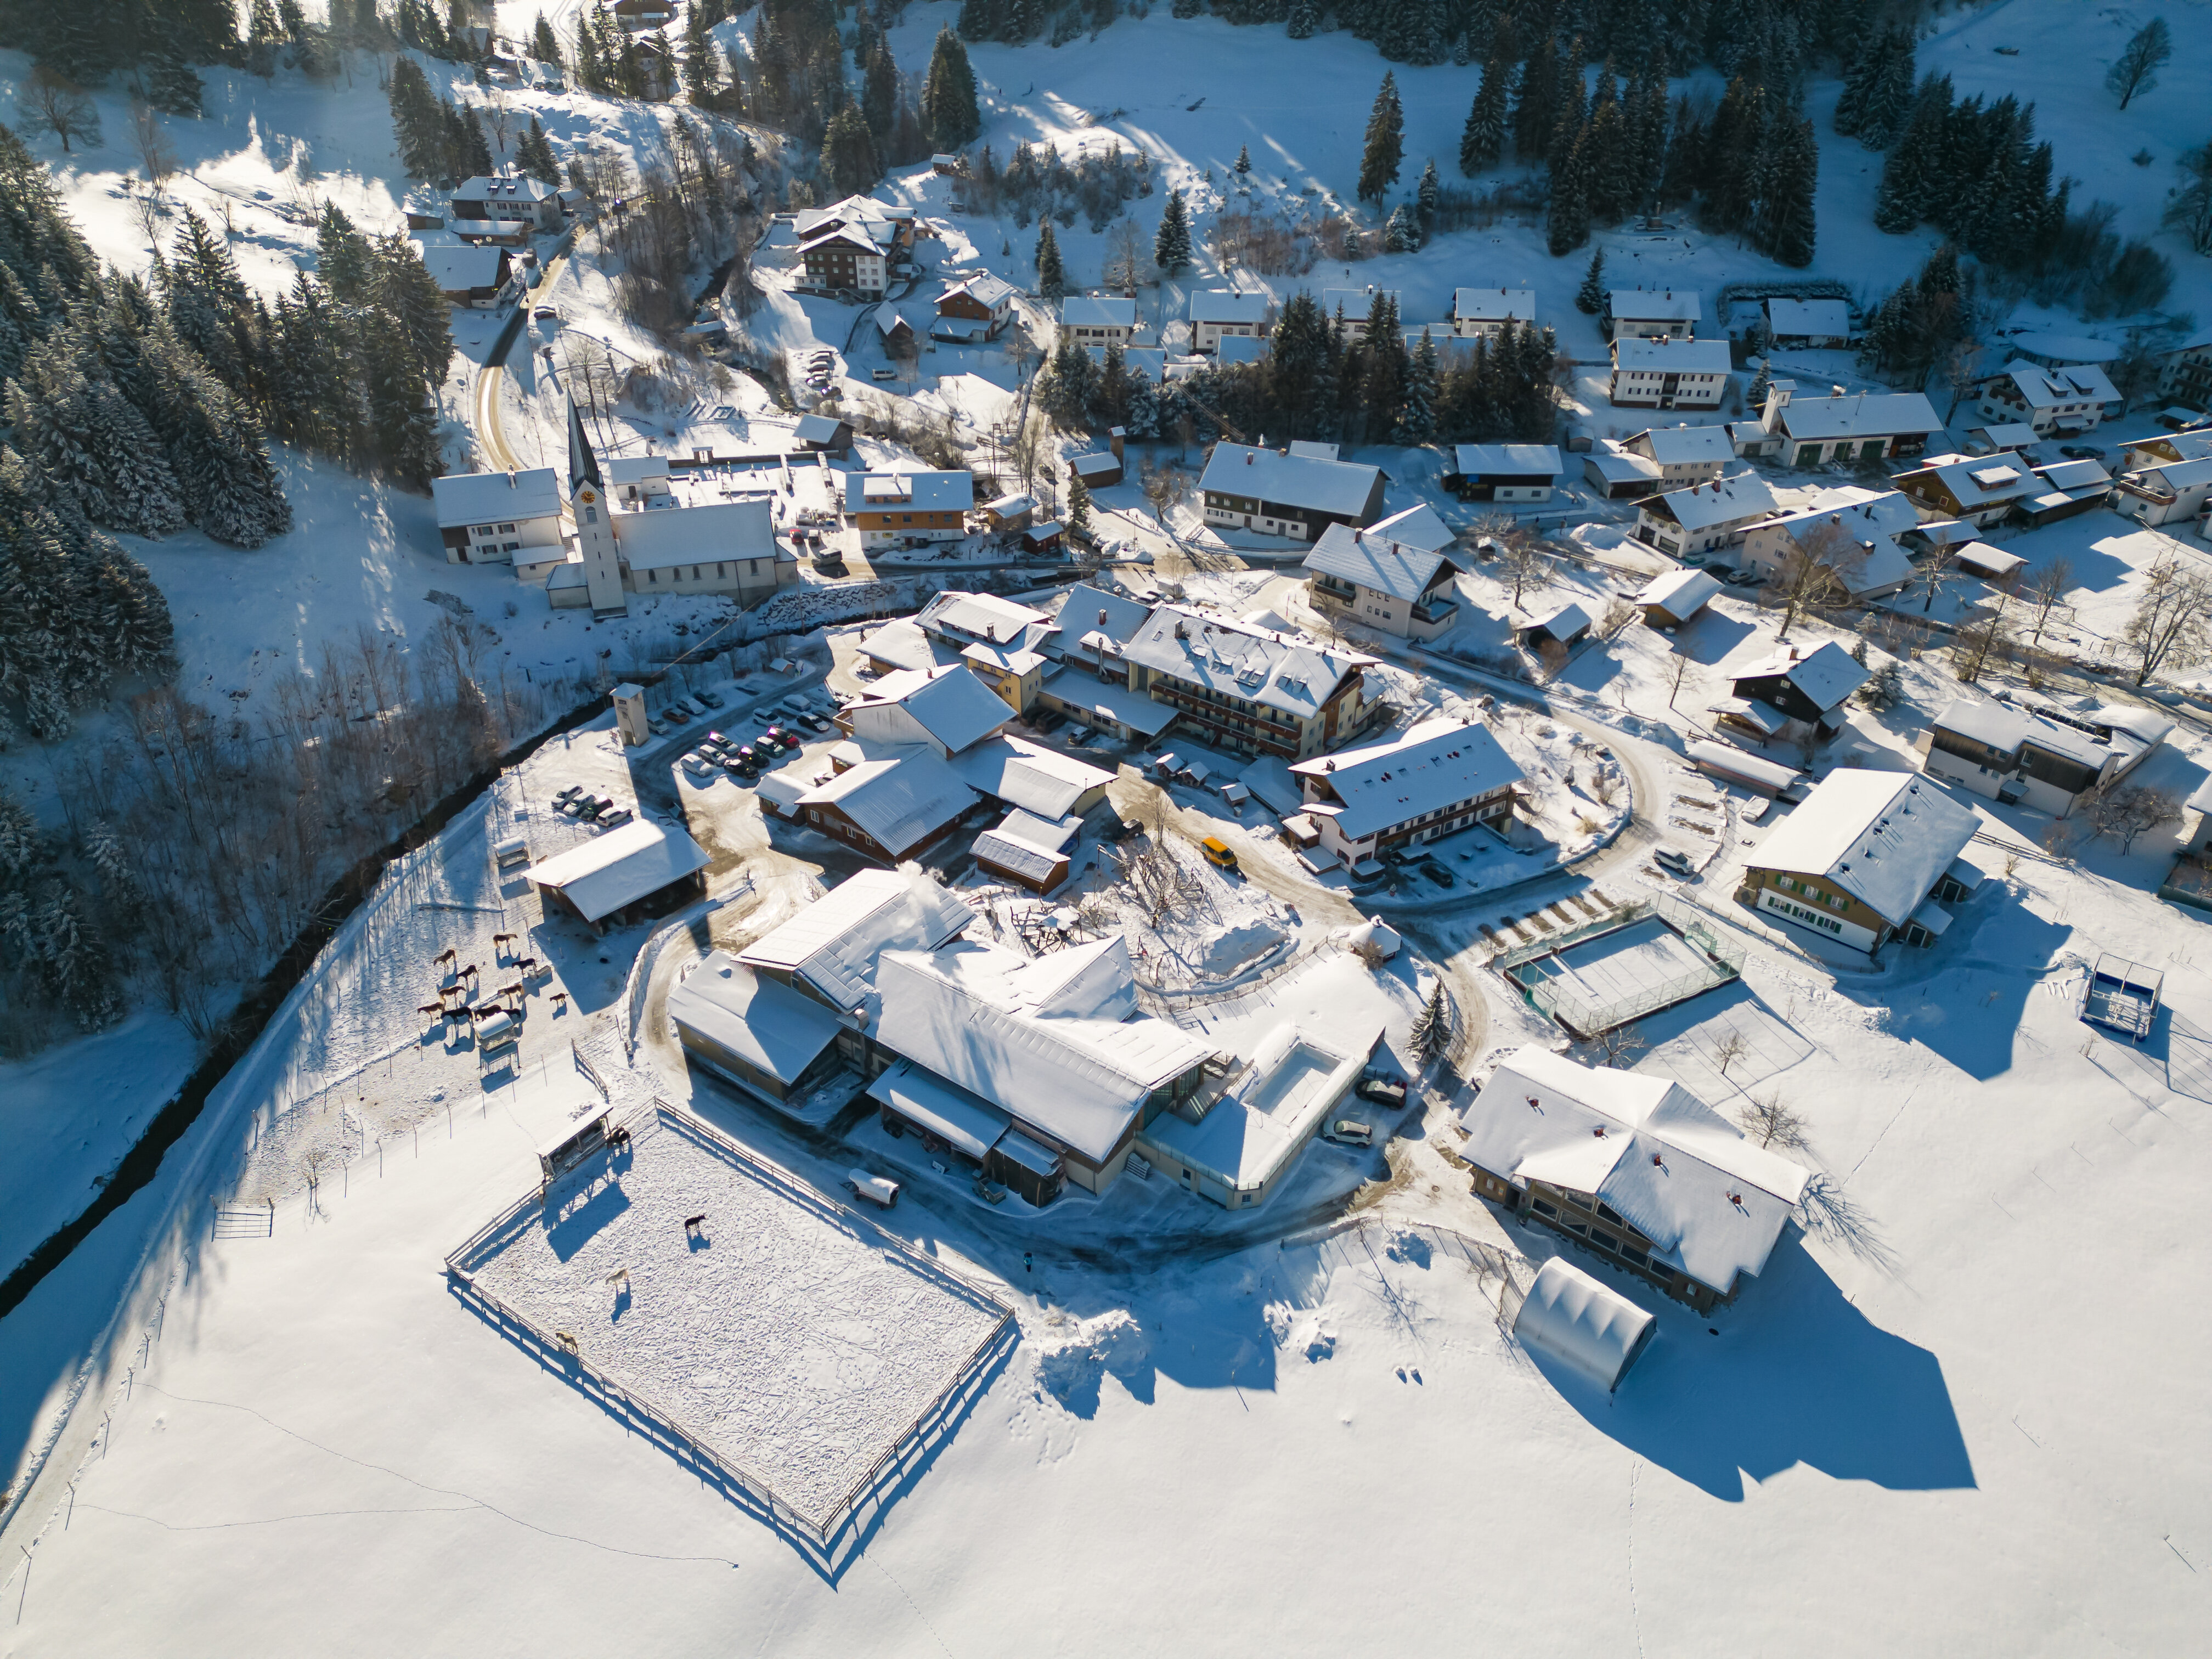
point(597, 546)
point(583, 464)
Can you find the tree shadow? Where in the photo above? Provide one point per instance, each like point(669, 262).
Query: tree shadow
point(1801, 1377)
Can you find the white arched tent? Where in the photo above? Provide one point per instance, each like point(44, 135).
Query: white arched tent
point(1575, 1320)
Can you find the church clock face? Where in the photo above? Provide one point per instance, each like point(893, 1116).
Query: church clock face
point(588, 496)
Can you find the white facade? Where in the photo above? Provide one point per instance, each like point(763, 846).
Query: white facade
point(1669, 373)
point(1654, 314)
point(499, 518)
point(1098, 320)
point(2049, 400)
point(2170, 493)
point(1222, 314)
point(1481, 313)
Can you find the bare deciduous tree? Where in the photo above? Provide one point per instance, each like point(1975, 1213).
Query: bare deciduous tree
point(1770, 1123)
point(50, 100)
point(2168, 630)
point(1987, 638)
point(2047, 594)
point(1818, 572)
point(1618, 1048)
point(2125, 811)
point(151, 141)
point(1521, 562)
point(1729, 1050)
point(1125, 258)
point(1683, 665)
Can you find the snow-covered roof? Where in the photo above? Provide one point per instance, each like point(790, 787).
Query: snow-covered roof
point(1726, 758)
point(1507, 460)
point(1614, 464)
point(1712, 1203)
point(695, 535)
point(461, 270)
point(2047, 388)
point(1494, 305)
point(619, 867)
point(1314, 449)
point(1420, 525)
point(1111, 700)
point(1010, 660)
point(918, 492)
point(1357, 303)
point(1097, 311)
point(1568, 620)
point(951, 704)
point(897, 802)
point(470, 498)
point(1686, 445)
point(1681, 594)
point(1282, 672)
point(1725, 500)
point(2065, 348)
point(985, 617)
point(1029, 775)
point(1669, 355)
point(1238, 349)
point(1980, 559)
point(2182, 475)
point(973, 1125)
point(1222, 304)
point(1674, 304)
point(1859, 415)
point(985, 290)
point(2083, 474)
point(1988, 481)
point(1340, 486)
point(1437, 763)
point(1368, 559)
point(1884, 837)
point(1025, 845)
point(903, 645)
point(833, 942)
point(1809, 317)
point(1580, 1323)
point(762, 1022)
point(1008, 506)
point(1088, 610)
point(1095, 467)
point(504, 188)
point(634, 469)
point(1041, 1039)
point(819, 428)
point(1826, 674)
point(2002, 435)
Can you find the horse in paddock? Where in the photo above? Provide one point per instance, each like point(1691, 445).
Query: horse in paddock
point(445, 958)
point(693, 1223)
point(560, 1002)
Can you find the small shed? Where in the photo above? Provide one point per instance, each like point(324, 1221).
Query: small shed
point(1027, 850)
point(1991, 563)
point(1097, 471)
point(1676, 597)
point(1563, 626)
point(1732, 765)
point(946, 166)
point(824, 433)
point(1043, 538)
point(1582, 1324)
point(1009, 513)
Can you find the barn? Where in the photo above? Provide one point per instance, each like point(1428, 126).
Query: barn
point(640, 869)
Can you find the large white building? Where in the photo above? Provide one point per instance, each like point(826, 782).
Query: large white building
point(1842, 427)
point(1368, 577)
point(1439, 778)
point(1099, 319)
point(1654, 314)
point(1217, 314)
point(499, 518)
point(1481, 313)
point(1868, 857)
point(2051, 400)
point(1691, 524)
point(2047, 759)
point(1668, 373)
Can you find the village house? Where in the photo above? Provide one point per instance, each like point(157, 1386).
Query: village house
point(1481, 313)
point(2050, 759)
point(1998, 438)
point(1810, 325)
point(1617, 473)
point(1668, 373)
point(889, 226)
point(1279, 493)
point(2054, 401)
point(824, 435)
point(1357, 305)
point(1980, 492)
point(895, 334)
point(697, 533)
point(491, 517)
point(1653, 314)
point(1219, 314)
point(1008, 513)
point(640, 16)
point(1868, 857)
point(894, 808)
point(1632, 1166)
point(1846, 426)
point(1684, 454)
point(1853, 533)
point(472, 278)
point(974, 310)
point(2186, 374)
point(1437, 778)
point(2064, 488)
point(2167, 492)
point(505, 207)
point(944, 710)
point(1673, 598)
point(2157, 450)
point(1364, 575)
point(639, 869)
point(1042, 782)
point(1690, 525)
point(1516, 474)
point(957, 620)
point(844, 260)
point(1249, 690)
point(1791, 695)
point(1101, 470)
point(1560, 626)
point(1027, 850)
point(1099, 319)
point(905, 509)
point(754, 1032)
point(1016, 676)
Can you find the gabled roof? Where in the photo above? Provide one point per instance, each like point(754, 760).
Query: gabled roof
point(1884, 837)
point(1712, 1203)
point(984, 617)
point(1494, 305)
point(833, 942)
point(1041, 1039)
point(1367, 559)
point(909, 492)
point(1276, 671)
point(897, 802)
point(1725, 500)
point(619, 867)
point(694, 534)
point(1674, 304)
point(1859, 415)
point(2043, 387)
point(1027, 845)
point(1507, 460)
point(1438, 764)
point(1667, 355)
point(1987, 481)
point(1809, 317)
point(951, 704)
point(1338, 486)
point(459, 269)
point(467, 498)
point(819, 428)
point(985, 290)
point(1825, 675)
point(1087, 610)
point(2084, 474)
point(1681, 594)
point(1420, 525)
point(505, 188)
point(1027, 775)
point(1222, 304)
point(762, 1022)
point(1684, 446)
point(1357, 302)
point(855, 237)
point(1097, 311)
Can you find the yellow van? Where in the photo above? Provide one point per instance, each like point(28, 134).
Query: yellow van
point(1217, 854)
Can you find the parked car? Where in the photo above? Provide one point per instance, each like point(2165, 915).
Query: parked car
point(789, 739)
point(820, 722)
point(658, 727)
point(710, 698)
point(2081, 452)
point(676, 712)
point(568, 794)
point(875, 1188)
point(1435, 871)
point(1673, 858)
point(1218, 854)
point(1349, 1132)
point(616, 820)
point(715, 739)
point(588, 808)
point(697, 765)
point(1382, 1089)
point(1119, 829)
point(546, 314)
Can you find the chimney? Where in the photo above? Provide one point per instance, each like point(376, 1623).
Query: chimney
point(1115, 434)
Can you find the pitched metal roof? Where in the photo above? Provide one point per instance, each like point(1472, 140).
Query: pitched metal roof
point(1438, 764)
point(1369, 559)
point(1339, 487)
point(470, 498)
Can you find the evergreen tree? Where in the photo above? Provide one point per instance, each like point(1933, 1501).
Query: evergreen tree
point(1385, 147)
point(1172, 245)
point(544, 45)
point(1306, 18)
point(411, 304)
point(1385, 369)
point(1571, 112)
point(1427, 195)
point(1761, 383)
point(536, 155)
point(341, 255)
point(401, 422)
point(1482, 140)
point(879, 90)
point(1536, 97)
point(1402, 232)
point(1590, 298)
point(1051, 278)
point(1785, 228)
point(207, 303)
point(1888, 99)
point(1431, 1035)
point(418, 121)
point(1244, 160)
point(1417, 410)
point(1567, 220)
point(849, 167)
point(1065, 394)
point(1078, 510)
point(231, 490)
point(100, 458)
point(948, 95)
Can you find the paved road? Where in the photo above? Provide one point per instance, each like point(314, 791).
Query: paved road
point(491, 439)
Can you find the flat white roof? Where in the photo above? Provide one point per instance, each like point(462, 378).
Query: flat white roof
point(767, 1025)
point(1222, 304)
point(1507, 460)
point(1674, 304)
point(1494, 305)
point(472, 498)
point(1437, 763)
point(1885, 837)
point(1819, 317)
point(1671, 356)
point(916, 492)
point(619, 867)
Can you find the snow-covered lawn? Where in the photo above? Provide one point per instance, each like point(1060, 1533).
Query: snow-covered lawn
point(780, 1330)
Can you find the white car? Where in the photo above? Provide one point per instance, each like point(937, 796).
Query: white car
point(1349, 1132)
point(696, 764)
point(875, 1188)
point(1673, 858)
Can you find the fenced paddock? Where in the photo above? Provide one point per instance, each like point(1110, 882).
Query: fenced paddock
point(786, 1344)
